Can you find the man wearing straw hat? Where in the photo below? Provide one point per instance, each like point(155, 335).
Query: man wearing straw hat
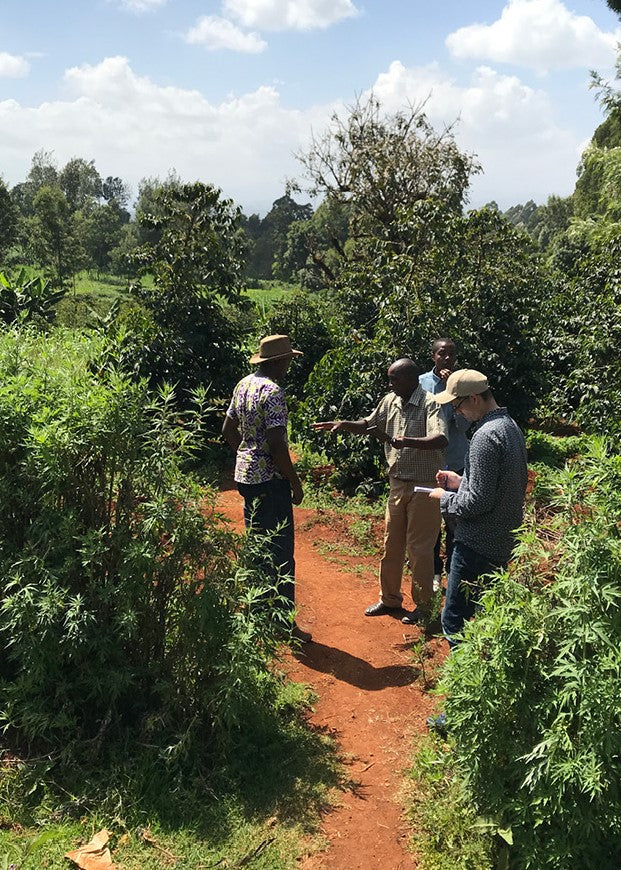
point(256, 428)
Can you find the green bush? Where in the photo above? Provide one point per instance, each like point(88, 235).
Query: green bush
point(533, 690)
point(337, 390)
point(447, 833)
point(584, 318)
point(185, 335)
point(305, 317)
point(553, 450)
point(27, 299)
point(120, 600)
point(471, 277)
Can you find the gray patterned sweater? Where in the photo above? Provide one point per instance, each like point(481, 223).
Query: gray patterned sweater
point(488, 505)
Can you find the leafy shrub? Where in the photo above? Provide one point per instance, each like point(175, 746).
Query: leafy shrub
point(306, 319)
point(471, 277)
point(447, 834)
point(554, 450)
point(336, 390)
point(585, 328)
point(533, 690)
point(120, 602)
point(194, 265)
point(27, 299)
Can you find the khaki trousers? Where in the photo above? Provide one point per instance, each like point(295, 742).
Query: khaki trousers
point(412, 526)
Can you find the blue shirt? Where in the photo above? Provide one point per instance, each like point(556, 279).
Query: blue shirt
point(458, 444)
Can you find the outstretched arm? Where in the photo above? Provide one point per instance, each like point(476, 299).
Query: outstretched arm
point(357, 427)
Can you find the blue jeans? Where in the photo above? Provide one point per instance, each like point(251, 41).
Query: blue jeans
point(268, 506)
point(449, 527)
point(464, 588)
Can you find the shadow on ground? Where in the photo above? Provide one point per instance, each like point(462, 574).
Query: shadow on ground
point(353, 670)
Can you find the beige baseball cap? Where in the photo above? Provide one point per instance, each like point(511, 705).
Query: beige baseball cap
point(462, 383)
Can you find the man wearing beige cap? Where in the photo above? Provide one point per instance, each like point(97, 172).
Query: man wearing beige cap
point(256, 428)
point(487, 501)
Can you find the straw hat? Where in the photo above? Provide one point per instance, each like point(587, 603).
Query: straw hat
point(274, 347)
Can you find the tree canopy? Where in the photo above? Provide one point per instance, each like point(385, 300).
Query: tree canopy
point(381, 163)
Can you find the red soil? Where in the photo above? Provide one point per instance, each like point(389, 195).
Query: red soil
point(371, 697)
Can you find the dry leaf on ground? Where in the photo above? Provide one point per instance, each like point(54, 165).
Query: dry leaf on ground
point(95, 855)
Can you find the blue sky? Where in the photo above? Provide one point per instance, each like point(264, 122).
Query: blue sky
point(228, 91)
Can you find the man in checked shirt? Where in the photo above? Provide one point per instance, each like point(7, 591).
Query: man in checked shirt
point(414, 432)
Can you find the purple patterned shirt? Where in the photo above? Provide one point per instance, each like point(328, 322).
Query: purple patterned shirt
point(258, 404)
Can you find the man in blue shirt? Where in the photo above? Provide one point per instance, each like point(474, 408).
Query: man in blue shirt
point(444, 357)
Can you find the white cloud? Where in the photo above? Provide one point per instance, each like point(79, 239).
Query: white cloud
point(12, 66)
point(289, 14)
point(217, 33)
point(540, 34)
point(142, 5)
point(132, 127)
point(509, 126)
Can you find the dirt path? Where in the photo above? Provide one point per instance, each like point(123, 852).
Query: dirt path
point(370, 695)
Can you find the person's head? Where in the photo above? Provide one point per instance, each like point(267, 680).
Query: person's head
point(403, 377)
point(274, 356)
point(443, 354)
point(468, 392)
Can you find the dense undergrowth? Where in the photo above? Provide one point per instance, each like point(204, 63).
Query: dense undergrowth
point(264, 797)
point(139, 680)
point(532, 692)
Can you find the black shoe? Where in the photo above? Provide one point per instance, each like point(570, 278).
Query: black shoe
point(416, 617)
point(380, 609)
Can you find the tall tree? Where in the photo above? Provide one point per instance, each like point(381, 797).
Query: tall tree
point(54, 238)
point(196, 266)
point(382, 163)
point(101, 230)
point(115, 190)
point(149, 205)
point(8, 219)
point(372, 166)
point(81, 183)
point(316, 247)
point(269, 237)
point(43, 173)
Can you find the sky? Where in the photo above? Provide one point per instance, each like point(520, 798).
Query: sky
point(227, 92)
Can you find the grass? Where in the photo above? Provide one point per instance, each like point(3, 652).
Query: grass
point(257, 805)
point(267, 293)
point(427, 669)
point(89, 294)
point(328, 499)
point(97, 293)
point(356, 537)
point(324, 497)
point(363, 533)
point(449, 836)
point(107, 286)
